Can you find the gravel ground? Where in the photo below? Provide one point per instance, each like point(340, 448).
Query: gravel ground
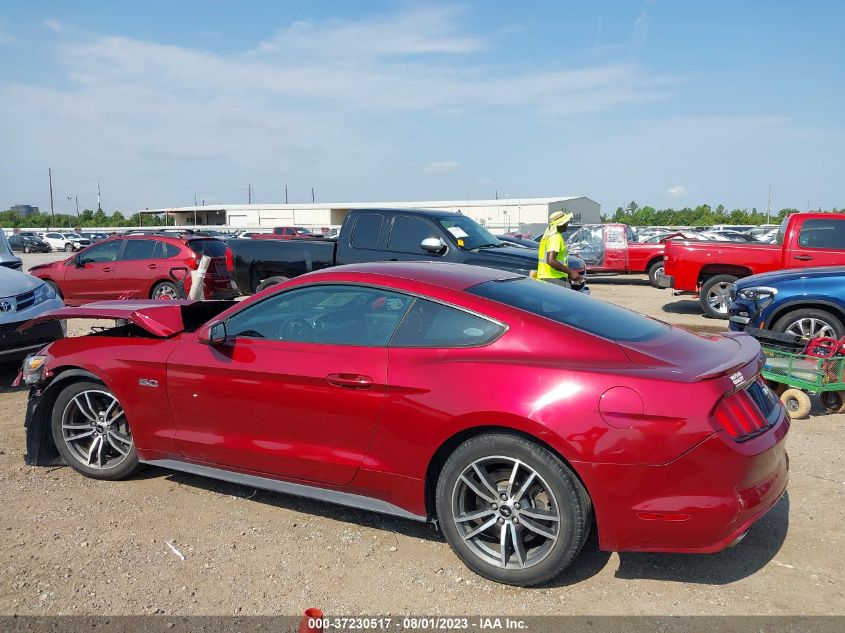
point(76, 546)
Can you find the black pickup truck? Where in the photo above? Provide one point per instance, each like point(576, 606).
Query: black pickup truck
point(371, 235)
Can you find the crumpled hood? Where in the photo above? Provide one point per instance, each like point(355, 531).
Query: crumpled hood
point(514, 257)
point(14, 282)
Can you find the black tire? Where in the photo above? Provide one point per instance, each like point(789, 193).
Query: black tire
point(26, 250)
point(55, 287)
point(65, 409)
point(718, 286)
point(793, 321)
point(68, 247)
point(832, 401)
point(654, 272)
point(166, 288)
point(565, 496)
point(270, 281)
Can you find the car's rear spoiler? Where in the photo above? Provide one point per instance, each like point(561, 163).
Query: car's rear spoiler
point(159, 318)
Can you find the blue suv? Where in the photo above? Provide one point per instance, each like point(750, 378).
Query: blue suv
point(809, 302)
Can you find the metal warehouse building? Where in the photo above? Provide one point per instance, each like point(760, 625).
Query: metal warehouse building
point(500, 216)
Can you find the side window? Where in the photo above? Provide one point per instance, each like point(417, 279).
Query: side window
point(139, 249)
point(54, 236)
point(171, 250)
point(325, 314)
point(823, 233)
point(107, 252)
point(366, 232)
point(407, 234)
point(430, 324)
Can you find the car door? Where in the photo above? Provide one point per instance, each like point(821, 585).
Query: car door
point(139, 266)
point(296, 390)
point(821, 242)
point(89, 276)
point(55, 240)
point(406, 235)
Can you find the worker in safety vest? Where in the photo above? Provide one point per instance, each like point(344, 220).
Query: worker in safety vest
point(551, 264)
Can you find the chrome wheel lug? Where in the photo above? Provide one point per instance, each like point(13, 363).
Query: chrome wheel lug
point(516, 519)
point(493, 506)
point(503, 496)
point(516, 506)
point(501, 521)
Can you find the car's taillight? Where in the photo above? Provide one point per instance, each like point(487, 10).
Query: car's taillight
point(740, 415)
point(230, 261)
point(192, 263)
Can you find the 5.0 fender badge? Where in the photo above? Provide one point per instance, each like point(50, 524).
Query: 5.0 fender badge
point(147, 382)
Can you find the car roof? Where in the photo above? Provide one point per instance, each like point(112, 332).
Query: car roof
point(434, 213)
point(444, 274)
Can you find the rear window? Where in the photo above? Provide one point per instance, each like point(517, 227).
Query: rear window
point(212, 248)
point(571, 308)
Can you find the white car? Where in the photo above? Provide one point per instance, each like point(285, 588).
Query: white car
point(66, 241)
point(24, 297)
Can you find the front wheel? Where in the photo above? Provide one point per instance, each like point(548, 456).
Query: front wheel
point(716, 296)
point(26, 250)
point(92, 433)
point(68, 247)
point(797, 403)
point(810, 323)
point(511, 510)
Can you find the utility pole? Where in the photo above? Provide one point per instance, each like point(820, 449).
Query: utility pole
point(77, 204)
point(249, 193)
point(769, 206)
point(50, 176)
point(99, 207)
point(312, 195)
point(286, 194)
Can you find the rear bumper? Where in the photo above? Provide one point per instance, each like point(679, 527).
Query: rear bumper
point(666, 281)
point(699, 503)
point(14, 346)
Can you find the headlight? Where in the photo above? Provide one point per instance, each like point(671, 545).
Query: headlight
point(43, 293)
point(33, 369)
point(761, 295)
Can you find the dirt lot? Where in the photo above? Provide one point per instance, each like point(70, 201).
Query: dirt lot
point(75, 546)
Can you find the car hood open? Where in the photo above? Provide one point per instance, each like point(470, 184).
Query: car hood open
point(159, 318)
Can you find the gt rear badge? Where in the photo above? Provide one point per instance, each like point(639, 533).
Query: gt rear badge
point(147, 382)
point(737, 378)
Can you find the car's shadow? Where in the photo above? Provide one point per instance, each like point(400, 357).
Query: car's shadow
point(596, 278)
point(363, 518)
point(684, 306)
point(759, 547)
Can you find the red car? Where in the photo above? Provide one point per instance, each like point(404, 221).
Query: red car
point(514, 413)
point(138, 267)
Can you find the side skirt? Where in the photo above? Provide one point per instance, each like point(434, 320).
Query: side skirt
point(286, 487)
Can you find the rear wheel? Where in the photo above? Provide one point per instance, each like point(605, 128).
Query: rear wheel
point(810, 323)
point(166, 290)
point(26, 249)
point(655, 272)
point(512, 510)
point(91, 432)
point(270, 281)
point(716, 296)
point(797, 403)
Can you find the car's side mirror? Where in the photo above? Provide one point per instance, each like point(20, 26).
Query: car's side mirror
point(77, 261)
point(213, 334)
point(433, 245)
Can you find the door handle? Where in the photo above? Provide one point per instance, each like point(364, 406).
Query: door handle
point(152, 266)
point(350, 381)
point(804, 258)
point(107, 270)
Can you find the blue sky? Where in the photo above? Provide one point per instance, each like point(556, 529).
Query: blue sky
point(666, 102)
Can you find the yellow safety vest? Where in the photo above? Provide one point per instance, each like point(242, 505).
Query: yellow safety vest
point(552, 243)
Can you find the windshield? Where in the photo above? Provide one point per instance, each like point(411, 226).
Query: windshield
point(571, 308)
point(468, 233)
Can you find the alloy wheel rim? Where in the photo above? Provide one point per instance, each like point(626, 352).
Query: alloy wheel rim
point(505, 512)
point(719, 297)
point(95, 430)
point(165, 291)
point(810, 327)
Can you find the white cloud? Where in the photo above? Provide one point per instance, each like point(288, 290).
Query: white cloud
point(442, 167)
point(677, 191)
point(54, 25)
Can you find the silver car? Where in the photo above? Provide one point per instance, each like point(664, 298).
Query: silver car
point(24, 297)
point(7, 258)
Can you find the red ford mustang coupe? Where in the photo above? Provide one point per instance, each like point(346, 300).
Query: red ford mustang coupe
point(516, 414)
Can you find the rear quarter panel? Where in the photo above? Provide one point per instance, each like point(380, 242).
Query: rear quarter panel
point(688, 261)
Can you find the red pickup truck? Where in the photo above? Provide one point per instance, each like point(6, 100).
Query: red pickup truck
point(611, 248)
point(287, 233)
point(709, 268)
